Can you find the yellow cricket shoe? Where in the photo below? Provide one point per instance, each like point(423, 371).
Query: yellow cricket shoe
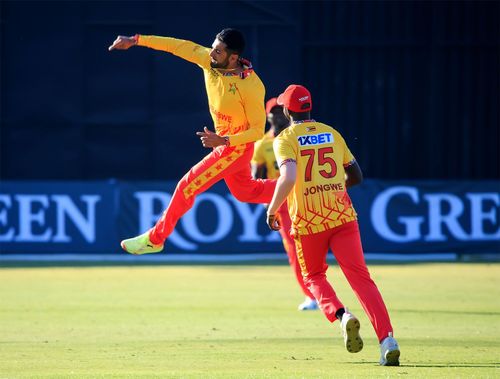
point(140, 245)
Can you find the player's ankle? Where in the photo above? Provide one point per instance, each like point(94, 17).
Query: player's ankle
point(340, 312)
point(154, 240)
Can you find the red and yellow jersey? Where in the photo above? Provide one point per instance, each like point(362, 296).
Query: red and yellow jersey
point(263, 154)
point(236, 102)
point(319, 200)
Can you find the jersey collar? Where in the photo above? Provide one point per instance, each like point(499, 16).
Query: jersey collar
point(247, 69)
point(303, 121)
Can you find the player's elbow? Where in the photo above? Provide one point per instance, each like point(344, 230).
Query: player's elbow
point(354, 175)
point(355, 180)
point(258, 133)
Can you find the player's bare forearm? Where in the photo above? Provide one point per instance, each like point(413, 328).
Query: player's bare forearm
point(285, 183)
point(283, 188)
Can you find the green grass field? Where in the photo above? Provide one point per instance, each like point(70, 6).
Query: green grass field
point(240, 322)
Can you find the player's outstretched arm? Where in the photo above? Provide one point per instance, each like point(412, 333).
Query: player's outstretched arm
point(123, 43)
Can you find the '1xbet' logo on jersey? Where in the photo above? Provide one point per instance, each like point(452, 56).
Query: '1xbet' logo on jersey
point(315, 139)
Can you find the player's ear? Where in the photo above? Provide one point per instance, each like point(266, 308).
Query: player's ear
point(233, 58)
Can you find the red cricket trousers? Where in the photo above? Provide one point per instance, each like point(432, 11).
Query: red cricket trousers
point(231, 163)
point(289, 244)
point(345, 242)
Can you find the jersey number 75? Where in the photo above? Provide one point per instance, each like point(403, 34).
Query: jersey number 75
point(323, 160)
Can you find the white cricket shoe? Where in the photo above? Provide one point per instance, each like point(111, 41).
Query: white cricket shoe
point(309, 305)
point(389, 351)
point(350, 329)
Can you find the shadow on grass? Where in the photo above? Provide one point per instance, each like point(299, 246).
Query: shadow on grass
point(146, 262)
point(441, 311)
point(453, 365)
point(434, 365)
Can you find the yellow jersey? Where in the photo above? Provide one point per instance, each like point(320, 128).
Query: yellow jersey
point(319, 199)
point(263, 154)
point(236, 102)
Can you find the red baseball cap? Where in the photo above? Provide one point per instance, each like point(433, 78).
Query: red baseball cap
point(296, 98)
point(271, 103)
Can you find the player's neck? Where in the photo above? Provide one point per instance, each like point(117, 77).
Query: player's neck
point(299, 118)
point(235, 67)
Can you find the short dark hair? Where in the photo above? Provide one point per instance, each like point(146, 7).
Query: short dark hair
point(233, 39)
point(300, 115)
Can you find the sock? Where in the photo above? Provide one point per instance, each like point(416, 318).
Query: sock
point(340, 313)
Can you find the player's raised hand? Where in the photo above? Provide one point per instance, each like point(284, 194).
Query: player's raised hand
point(123, 43)
point(210, 139)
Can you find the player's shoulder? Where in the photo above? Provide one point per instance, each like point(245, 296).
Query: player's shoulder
point(254, 80)
point(264, 143)
point(322, 126)
point(286, 133)
point(329, 129)
point(251, 87)
point(268, 141)
point(257, 144)
point(254, 77)
point(288, 136)
point(269, 136)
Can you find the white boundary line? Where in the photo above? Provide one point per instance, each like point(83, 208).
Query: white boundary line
point(207, 258)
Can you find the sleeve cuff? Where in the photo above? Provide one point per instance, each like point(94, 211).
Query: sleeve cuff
point(289, 160)
point(349, 163)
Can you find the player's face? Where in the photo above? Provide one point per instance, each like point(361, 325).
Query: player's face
point(219, 57)
point(276, 118)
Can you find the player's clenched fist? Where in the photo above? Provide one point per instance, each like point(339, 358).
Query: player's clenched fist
point(273, 222)
point(123, 43)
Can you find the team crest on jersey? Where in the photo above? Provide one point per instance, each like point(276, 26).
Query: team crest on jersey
point(232, 88)
point(315, 139)
point(310, 128)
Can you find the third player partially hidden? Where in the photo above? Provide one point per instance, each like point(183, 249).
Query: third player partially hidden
point(316, 168)
point(264, 166)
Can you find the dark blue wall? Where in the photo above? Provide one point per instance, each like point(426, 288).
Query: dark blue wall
point(413, 86)
point(93, 216)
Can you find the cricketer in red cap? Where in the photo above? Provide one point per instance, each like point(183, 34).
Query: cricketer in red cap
point(316, 168)
point(271, 103)
point(296, 98)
